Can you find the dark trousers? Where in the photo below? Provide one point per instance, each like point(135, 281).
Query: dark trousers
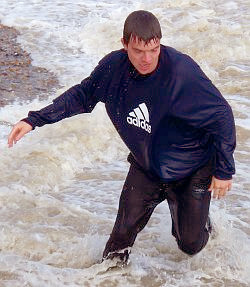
point(188, 201)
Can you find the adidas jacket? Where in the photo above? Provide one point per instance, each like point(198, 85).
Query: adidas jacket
point(172, 120)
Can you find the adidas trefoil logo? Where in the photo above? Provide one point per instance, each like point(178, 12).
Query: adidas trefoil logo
point(139, 117)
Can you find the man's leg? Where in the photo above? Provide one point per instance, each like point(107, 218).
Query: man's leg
point(189, 201)
point(139, 197)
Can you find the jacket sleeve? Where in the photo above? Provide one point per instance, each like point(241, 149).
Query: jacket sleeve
point(200, 104)
point(80, 98)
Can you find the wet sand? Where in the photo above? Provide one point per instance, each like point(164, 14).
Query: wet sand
point(19, 79)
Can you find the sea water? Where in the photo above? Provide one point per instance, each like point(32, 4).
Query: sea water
point(60, 185)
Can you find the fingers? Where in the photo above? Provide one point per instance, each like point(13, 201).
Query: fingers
point(15, 136)
point(219, 192)
point(12, 137)
point(20, 135)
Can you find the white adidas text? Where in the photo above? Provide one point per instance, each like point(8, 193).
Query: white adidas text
point(139, 123)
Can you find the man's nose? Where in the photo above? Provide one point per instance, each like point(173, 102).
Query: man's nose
point(146, 57)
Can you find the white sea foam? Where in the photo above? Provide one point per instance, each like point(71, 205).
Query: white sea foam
point(60, 185)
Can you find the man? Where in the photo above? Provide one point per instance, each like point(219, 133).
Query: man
point(179, 130)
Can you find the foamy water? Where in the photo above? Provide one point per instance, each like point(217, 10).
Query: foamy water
point(60, 185)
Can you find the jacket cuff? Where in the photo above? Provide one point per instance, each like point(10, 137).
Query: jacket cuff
point(223, 176)
point(26, 120)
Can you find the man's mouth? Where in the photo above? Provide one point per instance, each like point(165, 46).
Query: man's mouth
point(145, 67)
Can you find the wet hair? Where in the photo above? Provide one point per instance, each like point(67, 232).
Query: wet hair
point(141, 25)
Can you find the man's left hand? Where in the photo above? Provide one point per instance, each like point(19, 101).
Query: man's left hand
point(220, 187)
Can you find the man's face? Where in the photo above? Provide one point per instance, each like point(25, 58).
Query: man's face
point(143, 57)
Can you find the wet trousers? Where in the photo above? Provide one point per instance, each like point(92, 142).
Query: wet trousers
point(188, 201)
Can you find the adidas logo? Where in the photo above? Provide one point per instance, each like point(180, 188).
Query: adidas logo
point(140, 118)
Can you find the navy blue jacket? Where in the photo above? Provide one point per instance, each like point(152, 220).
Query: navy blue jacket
point(172, 120)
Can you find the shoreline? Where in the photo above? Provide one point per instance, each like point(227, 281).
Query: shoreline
point(19, 79)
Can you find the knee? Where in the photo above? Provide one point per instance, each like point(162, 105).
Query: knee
point(189, 249)
point(193, 247)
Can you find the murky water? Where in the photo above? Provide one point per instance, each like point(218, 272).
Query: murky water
point(59, 187)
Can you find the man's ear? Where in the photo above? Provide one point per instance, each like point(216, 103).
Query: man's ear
point(125, 46)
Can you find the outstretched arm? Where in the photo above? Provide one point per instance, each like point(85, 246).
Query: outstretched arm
point(18, 131)
point(80, 98)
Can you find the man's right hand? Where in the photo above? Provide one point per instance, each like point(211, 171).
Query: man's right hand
point(18, 131)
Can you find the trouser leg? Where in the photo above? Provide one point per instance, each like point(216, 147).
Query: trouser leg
point(139, 197)
point(189, 201)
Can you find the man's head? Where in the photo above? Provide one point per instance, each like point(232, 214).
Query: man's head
point(141, 39)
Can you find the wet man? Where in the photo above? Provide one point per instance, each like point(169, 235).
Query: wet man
point(179, 129)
